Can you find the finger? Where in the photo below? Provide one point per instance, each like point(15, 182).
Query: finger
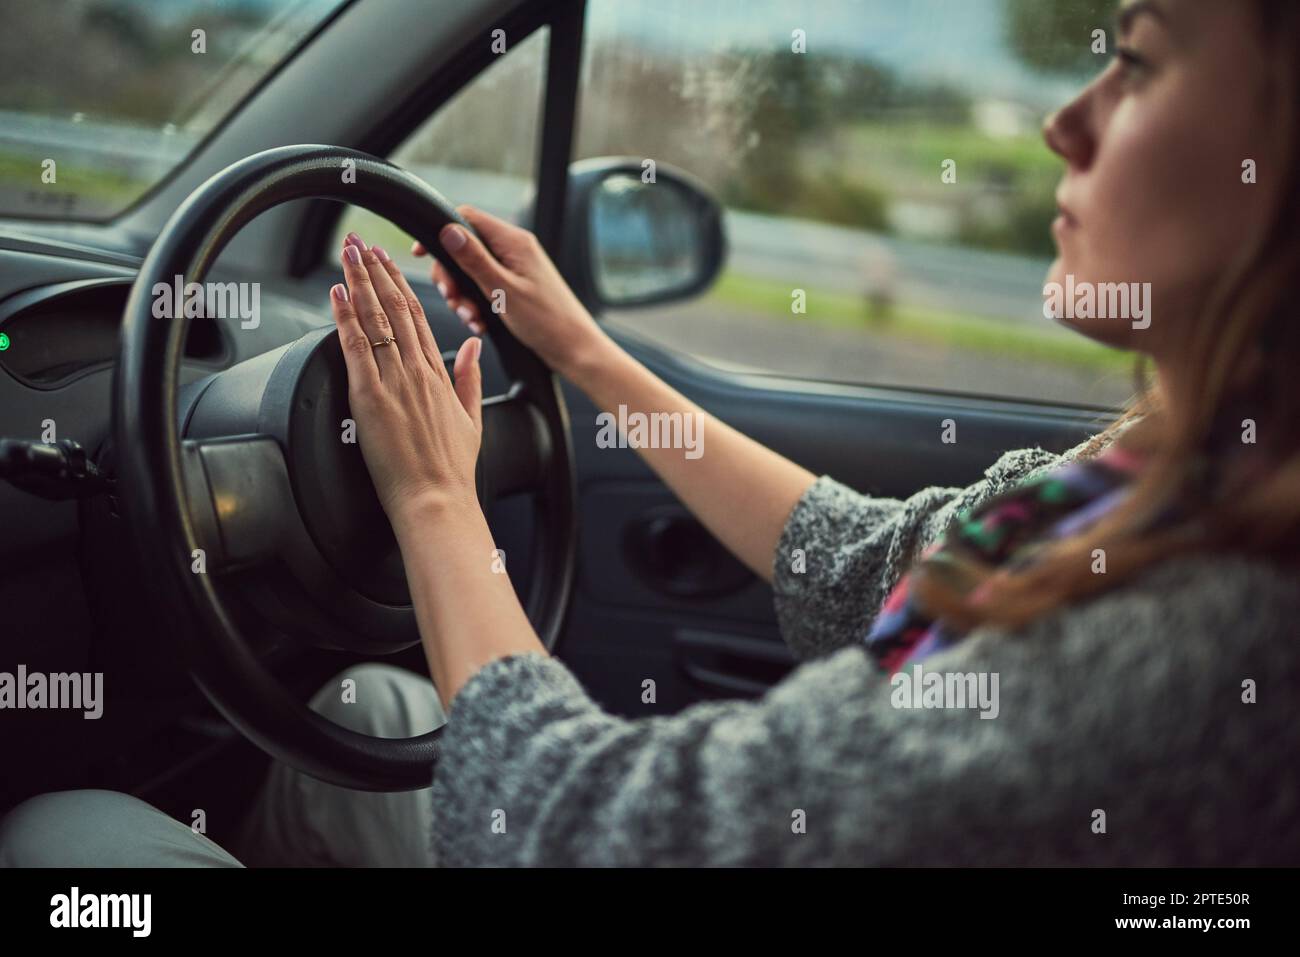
point(423, 332)
point(472, 256)
point(469, 379)
point(496, 232)
point(374, 322)
point(395, 304)
point(442, 279)
point(468, 315)
point(363, 372)
point(417, 248)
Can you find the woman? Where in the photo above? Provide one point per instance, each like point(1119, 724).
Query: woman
point(1132, 604)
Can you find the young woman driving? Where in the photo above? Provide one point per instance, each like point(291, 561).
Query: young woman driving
point(1136, 598)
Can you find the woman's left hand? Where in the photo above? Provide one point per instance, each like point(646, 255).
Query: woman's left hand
point(419, 433)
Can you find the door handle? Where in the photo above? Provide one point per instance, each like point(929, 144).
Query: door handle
point(670, 550)
point(731, 665)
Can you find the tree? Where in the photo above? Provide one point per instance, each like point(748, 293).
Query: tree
point(1055, 36)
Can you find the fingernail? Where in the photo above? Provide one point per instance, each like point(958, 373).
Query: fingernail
point(476, 349)
point(416, 248)
point(442, 289)
point(353, 254)
point(453, 237)
point(379, 253)
point(339, 292)
point(465, 312)
point(354, 240)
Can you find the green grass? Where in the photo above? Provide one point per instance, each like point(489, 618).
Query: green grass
point(375, 230)
point(110, 191)
point(922, 147)
point(952, 330)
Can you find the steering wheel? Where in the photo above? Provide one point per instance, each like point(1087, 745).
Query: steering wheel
point(253, 515)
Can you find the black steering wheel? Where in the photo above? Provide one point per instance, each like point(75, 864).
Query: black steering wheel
point(254, 517)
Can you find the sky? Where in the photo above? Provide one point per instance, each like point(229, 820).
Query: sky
point(949, 40)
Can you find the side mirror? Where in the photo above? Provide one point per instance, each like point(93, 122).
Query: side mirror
point(634, 243)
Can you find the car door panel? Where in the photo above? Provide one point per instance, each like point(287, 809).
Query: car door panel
point(625, 628)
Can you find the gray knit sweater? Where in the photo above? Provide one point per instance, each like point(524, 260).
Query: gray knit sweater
point(1121, 734)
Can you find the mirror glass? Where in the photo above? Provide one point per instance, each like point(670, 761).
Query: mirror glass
point(648, 240)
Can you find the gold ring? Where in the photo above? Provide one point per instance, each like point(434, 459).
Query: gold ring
point(382, 342)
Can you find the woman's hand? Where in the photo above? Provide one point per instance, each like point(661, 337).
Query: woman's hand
point(522, 284)
point(419, 432)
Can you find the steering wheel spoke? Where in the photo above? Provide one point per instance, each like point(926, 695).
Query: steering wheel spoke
point(238, 496)
point(516, 451)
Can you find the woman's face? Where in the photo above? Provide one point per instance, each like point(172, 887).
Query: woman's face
point(1154, 149)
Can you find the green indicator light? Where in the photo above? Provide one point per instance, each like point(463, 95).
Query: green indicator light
point(4, 341)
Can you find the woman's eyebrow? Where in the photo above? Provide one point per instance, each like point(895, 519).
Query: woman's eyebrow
point(1129, 12)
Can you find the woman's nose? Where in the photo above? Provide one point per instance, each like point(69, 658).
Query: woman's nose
point(1066, 134)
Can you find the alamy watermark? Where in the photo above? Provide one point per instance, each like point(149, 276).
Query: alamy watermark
point(133, 912)
point(36, 690)
point(946, 689)
point(651, 430)
point(209, 300)
point(1105, 300)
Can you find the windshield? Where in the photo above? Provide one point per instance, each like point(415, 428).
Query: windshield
point(116, 93)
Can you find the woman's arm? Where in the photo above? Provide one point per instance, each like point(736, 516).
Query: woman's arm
point(420, 433)
point(740, 490)
point(841, 552)
point(1130, 704)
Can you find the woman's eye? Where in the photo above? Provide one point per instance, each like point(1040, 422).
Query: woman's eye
point(1131, 65)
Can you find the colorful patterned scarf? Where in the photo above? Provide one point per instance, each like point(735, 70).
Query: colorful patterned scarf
point(1007, 531)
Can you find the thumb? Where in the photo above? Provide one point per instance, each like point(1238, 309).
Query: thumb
point(468, 377)
point(472, 256)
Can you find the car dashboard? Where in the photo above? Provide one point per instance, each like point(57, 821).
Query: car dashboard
point(73, 598)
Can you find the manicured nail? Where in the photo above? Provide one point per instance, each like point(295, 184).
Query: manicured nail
point(379, 253)
point(353, 254)
point(353, 239)
point(465, 312)
point(339, 292)
point(476, 349)
point(442, 289)
point(417, 249)
point(453, 237)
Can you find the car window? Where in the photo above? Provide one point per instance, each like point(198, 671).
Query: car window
point(116, 93)
point(888, 194)
point(480, 147)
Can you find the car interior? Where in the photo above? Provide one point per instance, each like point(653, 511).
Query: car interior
point(219, 433)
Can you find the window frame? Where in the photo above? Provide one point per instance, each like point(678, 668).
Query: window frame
point(564, 18)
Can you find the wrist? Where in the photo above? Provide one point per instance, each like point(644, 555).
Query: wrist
point(594, 356)
point(443, 510)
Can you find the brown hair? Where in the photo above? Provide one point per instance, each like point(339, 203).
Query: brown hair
point(1243, 350)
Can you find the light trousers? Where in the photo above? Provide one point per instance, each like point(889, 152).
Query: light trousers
point(296, 820)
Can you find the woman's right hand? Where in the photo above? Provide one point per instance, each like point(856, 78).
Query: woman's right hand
point(742, 492)
point(522, 284)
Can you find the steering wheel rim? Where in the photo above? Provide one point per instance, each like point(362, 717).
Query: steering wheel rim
point(163, 476)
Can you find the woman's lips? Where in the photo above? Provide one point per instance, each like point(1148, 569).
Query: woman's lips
point(1065, 217)
point(1064, 221)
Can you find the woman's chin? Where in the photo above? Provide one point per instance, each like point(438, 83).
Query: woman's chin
point(1055, 272)
point(1055, 277)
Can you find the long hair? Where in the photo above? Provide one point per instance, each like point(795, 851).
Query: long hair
point(1242, 351)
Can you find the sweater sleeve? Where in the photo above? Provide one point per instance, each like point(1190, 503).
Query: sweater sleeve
point(1130, 705)
point(840, 551)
